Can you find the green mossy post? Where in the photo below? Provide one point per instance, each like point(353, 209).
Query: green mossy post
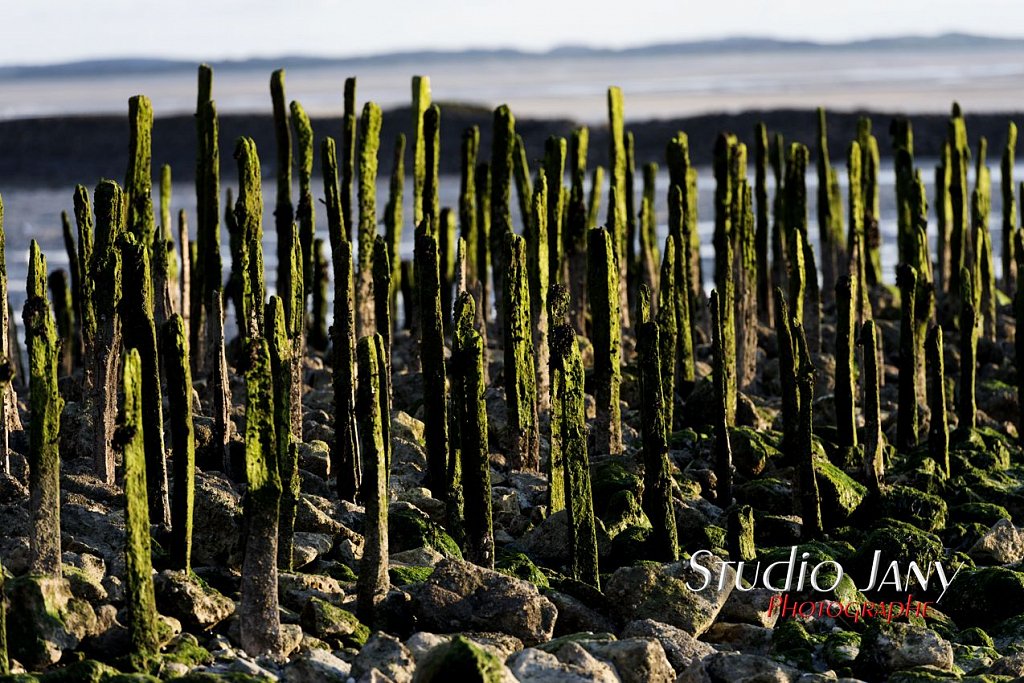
point(617, 163)
point(874, 465)
point(432, 362)
point(631, 263)
point(468, 221)
point(830, 226)
point(393, 222)
point(447, 244)
point(305, 213)
point(723, 450)
point(259, 620)
point(780, 259)
point(856, 244)
point(967, 410)
point(174, 343)
point(745, 269)
point(943, 216)
point(568, 399)
point(349, 126)
point(420, 104)
point(668, 331)
point(520, 372)
point(787, 374)
point(555, 150)
point(657, 496)
point(642, 314)
point(432, 149)
point(503, 137)
point(140, 598)
point(602, 294)
point(249, 217)
point(846, 414)
point(373, 581)
point(139, 181)
point(576, 227)
point(87, 312)
point(558, 312)
point(284, 213)
point(46, 405)
point(924, 305)
point(280, 349)
point(369, 144)
point(483, 240)
point(538, 271)
point(140, 334)
point(795, 203)
point(649, 256)
point(979, 246)
point(728, 170)
point(186, 271)
point(74, 345)
point(220, 382)
point(1018, 316)
point(938, 432)
point(382, 315)
point(959, 198)
point(869, 191)
point(594, 202)
point(810, 500)
point(903, 152)
point(105, 269)
point(683, 299)
point(317, 338)
point(524, 185)
point(410, 297)
point(166, 238)
point(764, 275)
point(207, 266)
point(683, 223)
point(906, 423)
point(1009, 210)
point(469, 388)
point(64, 318)
point(740, 533)
point(9, 400)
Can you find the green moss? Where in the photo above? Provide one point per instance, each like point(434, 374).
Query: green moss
point(340, 572)
point(86, 671)
point(332, 623)
point(521, 567)
point(985, 513)
point(841, 496)
point(923, 510)
point(623, 511)
point(187, 650)
point(751, 450)
point(460, 660)
point(922, 674)
point(767, 494)
point(608, 476)
point(409, 529)
point(841, 648)
point(404, 576)
point(983, 597)
point(792, 644)
point(897, 541)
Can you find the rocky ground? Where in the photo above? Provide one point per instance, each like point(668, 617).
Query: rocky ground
point(446, 619)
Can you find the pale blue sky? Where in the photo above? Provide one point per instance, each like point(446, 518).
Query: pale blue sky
point(46, 31)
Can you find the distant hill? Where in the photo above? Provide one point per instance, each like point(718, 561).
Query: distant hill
point(94, 67)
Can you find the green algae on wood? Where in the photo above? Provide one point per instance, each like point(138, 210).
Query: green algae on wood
point(420, 104)
point(846, 416)
point(602, 295)
point(259, 620)
point(305, 213)
point(538, 272)
point(657, 495)
point(74, 343)
point(64, 317)
point(139, 180)
point(348, 154)
point(46, 405)
point(393, 221)
point(284, 213)
point(86, 310)
point(520, 373)
point(140, 334)
point(503, 139)
point(317, 338)
point(369, 145)
point(140, 598)
point(728, 173)
point(558, 311)
point(906, 424)
point(967, 409)
point(373, 581)
point(468, 221)
point(555, 150)
point(470, 386)
point(787, 374)
point(856, 244)
point(249, 216)
point(280, 350)
point(1009, 210)
point(874, 466)
point(723, 449)
point(869, 191)
point(761, 229)
point(668, 331)
point(938, 432)
point(807, 484)
point(177, 371)
point(569, 399)
point(207, 265)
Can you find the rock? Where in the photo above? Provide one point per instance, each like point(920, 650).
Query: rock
point(660, 592)
point(1011, 665)
point(11, 490)
point(750, 607)
point(85, 585)
point(316, 666)
point(841, 495)
point(295, 589)
point(637, 660)
point(309, 546)
point(841, 649)
point(461, 660)
point(388, 655)
point(291, 639)
point(983, 597)
point(892, 647)
point(417, 557)
point(422, 642)
point(333, 624)
point(742, 637)
point(924, 510)
point(680, 647)
point(312, 518)
point(405, 426)
point(1003, 544)
point(195, 604)
point(572, 664)
point(44, 620)
point(216, 539)
point(409, 528)
point(735, 667)
point(462, 596)
point(575, 616)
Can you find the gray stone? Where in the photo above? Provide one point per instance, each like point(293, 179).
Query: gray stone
point(734, 667)
point(899, 646)
point(386, 654)
point(316, 666)
point(680, 647)
point(637, 660)
point(572, 664)
point(194, 604)
point(1003, 544)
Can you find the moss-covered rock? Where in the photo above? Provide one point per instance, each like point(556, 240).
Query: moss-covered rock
point(44, 620)
point(818, 552)
point(404, 575)
point(981, 512)
point(1008, 636)
point(984, 597)
point(793, 645)
point(632, 544)
point(897, 541)
point(409, 528)
point(323, 620)
point(841, 649)
point(185, 649)
point(622, 511)
point(768, 494)
point(460, 660)
point(85, 671)
point(841, 496)
point(906, 504)
point(609, 476)
point(521, 567)
point(751, 450)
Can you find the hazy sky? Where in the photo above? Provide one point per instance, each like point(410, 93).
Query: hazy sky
point(45, 31)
